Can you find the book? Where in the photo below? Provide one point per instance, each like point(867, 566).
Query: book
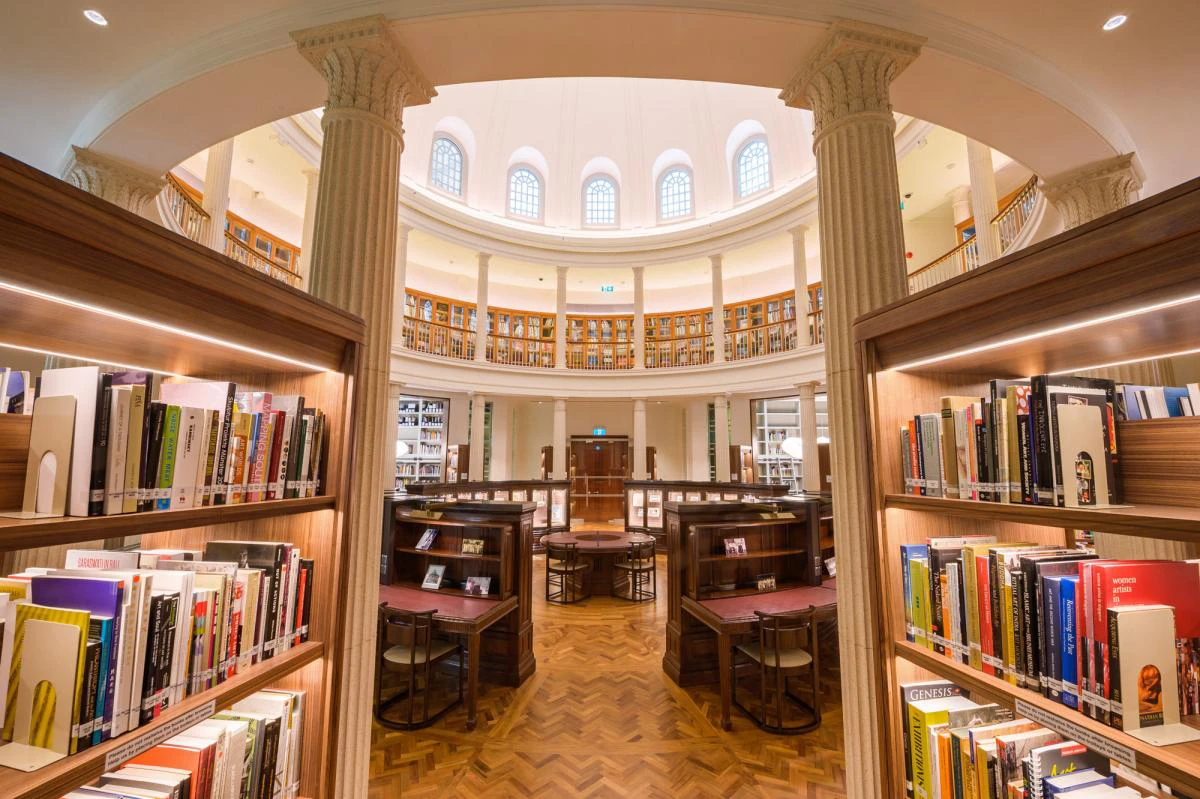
point(433, 577)
point(1060, 758)
point(914, 692)
point(478, 586)
point(428, 537)
point(1075, 780)
point(923, 714)
point(1082, 457)
point(930, 425)
point(735, 547)
point(952, 465)
point(166, 460)
point(472, 546)
point(908, 551)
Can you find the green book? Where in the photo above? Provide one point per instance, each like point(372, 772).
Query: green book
point(166, 462)
point(919, 586)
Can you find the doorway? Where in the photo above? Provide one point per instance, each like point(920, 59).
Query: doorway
point(598, 467)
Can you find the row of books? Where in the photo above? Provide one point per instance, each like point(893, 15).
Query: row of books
point(199, 443)
point(1049, 440)
point(251, 751)
point(958, 749)
point(14, 384)
point(1117, 640)
point(121, 636)
point(1158, 402)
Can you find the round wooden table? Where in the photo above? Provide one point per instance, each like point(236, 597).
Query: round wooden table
point(602, 548)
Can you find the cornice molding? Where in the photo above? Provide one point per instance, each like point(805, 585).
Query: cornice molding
point(1094, 190)
point(113, 180)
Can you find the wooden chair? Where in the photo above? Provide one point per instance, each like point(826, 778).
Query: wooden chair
point(405, 645)
point(564, 571)
point(780, 657)
point(639, 568)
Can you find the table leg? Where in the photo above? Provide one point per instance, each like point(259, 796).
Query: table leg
point(472, 676)
point(724, 660)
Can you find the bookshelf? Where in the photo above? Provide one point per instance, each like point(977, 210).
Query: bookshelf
point(422, 426)
point(776, 419)
point(86, 280)
point(1121, 288)
point(552, 499)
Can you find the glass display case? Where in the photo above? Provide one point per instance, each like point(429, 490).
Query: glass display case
point(552, 497)
point(645, 500)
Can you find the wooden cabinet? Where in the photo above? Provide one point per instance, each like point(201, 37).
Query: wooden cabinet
point(645, 499)
point(551, 499)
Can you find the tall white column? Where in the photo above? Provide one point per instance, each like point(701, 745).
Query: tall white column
point(370, 79)
point(312, 179)
point(960, 204)
point(481, 307)
point(800, 284)
point(392, 434)
point(718, 312)
point(402, 231)
point(217, 174)
point(639, 439)
point(808, 436)
point(112, 180)
point(559, 441)
point(846, 83)
point(560, 321)
point(984, 200)
point(639, 318)
point(721, 423)
point(478, 417)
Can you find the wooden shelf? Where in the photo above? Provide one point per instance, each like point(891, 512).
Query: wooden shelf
point(437, 553)
point(1177, 765)
point(1150, 521)
point(25, 533)
point(69, 773)
point(766, 553)
point(748, 591)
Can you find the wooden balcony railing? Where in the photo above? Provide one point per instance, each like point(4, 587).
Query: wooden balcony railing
point(816, 327)
point(755, 342)
point(1012, 217)
point(236, 249)
point(681, 351)
point(600, 356)
point(187, 213)
point(434, 338)
point(519, 351)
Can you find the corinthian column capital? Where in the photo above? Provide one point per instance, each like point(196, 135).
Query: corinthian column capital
point(850, 72)
point(366, 68)
point(1094, 190)
point(112, 180)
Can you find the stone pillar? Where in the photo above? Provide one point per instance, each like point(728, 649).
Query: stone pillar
point(718, 312)
point(559, 442)
point(846, 83)
point(370, 79)
point(800, 283)
point(639, 318)
point(960, 204)
point(984, 200)
point(560, 321)
point(392, 428)
point(217, 175)
point(401, 282)
point(639, 439)
point(112, 180)
point(478, 417)
point(481, 307)
point(1080, 196)
point(303, 266)
point(721, 424)
point(808, 436)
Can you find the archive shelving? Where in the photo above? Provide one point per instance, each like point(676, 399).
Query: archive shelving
point(421, 425)
point(1121, 288)
point(86, 280)
point(776, 419)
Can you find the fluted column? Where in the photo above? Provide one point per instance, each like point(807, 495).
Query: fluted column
point(303, 266)
point(400, 283)
point(960, 204)
point(481, 306)
point(639, 439)
point(560, 322)
point(808, 436)
point(217, 175)
point(392, 430)
point(478, 431)
point(112, 180)
point(639, 319)
point(370, 79)
point(800, 285)
point(721, 425)
point(718, 312)
point(561, 456)
point(846, 84)
point(984, 200)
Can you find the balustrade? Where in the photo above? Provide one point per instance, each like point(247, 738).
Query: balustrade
point(520, 351)
point(435, 338)
point(1012, 217)
point(184, 208)
point(754, 342)
point(238, 251)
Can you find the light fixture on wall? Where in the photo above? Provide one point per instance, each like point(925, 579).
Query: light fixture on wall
point(95, 17)
point(793, 447)
point(1114, 22)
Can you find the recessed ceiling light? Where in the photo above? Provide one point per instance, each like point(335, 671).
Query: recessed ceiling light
point(95, 16)
point(1114, 22)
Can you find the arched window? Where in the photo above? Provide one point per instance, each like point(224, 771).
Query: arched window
point(600, 202)
point(525, 193)
point(675, 193)
point(753, 168)
point(446, 166)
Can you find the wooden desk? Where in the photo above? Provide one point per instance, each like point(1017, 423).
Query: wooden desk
point(602, 547)
point(455, 614)
point(735, 616)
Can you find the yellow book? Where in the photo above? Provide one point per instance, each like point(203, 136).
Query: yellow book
point(918, 571)
point(76, 618)
point(970, 576)
point(17, 589)
point(921, 716)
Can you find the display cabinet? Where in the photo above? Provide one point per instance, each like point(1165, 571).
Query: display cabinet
point(421, 439)
point(644, 499)
point(551, 498)
point(600, 343)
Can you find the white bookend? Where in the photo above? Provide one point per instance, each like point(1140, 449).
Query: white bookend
point(79, 382)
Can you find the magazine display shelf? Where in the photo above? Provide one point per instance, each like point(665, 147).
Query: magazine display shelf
point(1121, 288)
point(83, 279)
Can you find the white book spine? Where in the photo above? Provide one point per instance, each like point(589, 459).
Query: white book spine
point(187, 452)
point(118, 443)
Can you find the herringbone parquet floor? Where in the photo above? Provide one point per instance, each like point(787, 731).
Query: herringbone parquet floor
point(599, 718)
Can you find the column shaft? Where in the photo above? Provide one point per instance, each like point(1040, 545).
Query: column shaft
point(718, 312)
point(560, 321)
point(721, 421)
point(312, 179)
point(481, 307)
point(401, 283)
point(984, 200)
point(639, 318)
point(559, 442)
point(478, 417)
point(639, 439)
point(217, 175)
point(392, 423)
point(800, 283)
point(808, 436)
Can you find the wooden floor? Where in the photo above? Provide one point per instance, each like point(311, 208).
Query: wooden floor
point(599, 718)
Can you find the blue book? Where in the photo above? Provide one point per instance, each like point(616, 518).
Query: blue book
point(1065, 784)
point(1070, 665)
point(101, 627)
point(1173, 396)
point(1052, 638)
point(909, 552)
point(1132, 412)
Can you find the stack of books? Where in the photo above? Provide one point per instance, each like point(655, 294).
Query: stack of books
point(1116, 640)
point(1158, 402)
point(251, 751)
point(121, 636)
point(958, 749)
point(141, 444)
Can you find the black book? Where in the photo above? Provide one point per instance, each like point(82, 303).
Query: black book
point(166, 655)
point(939, 558)
point(151, 449)
point(87, 702)
point(1045, 432)
point(271, 558)
point(270, 757)
point(983, 466)
point(154, 635)
point(920, 456)
point(100, 445)
point(1024, 446)
point(306, 566)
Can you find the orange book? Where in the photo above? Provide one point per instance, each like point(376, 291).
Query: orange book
point(187, 758)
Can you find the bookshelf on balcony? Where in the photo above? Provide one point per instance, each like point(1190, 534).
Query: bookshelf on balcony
point(85, 280)
point(1120, 288)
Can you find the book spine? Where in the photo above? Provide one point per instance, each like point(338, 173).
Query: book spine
point(1051, 650)
point(276, 448)
point(914, 459)
point(166, 470)
point(949, 465)
point(309, 568)
point(221, 480)
point(1029, 628)
point(1040, 439)
point(935, 602)
point(86, 721)
point(997, 613)
point(166, 662)
point(272, 620)
point(100, 446)
point(146, 702)
point(1017, 660)
point(983, 589)
point(920, 447)
point(906, 580)
point(1025, 455)
point(981, 465)
point(1116, 711)
point(134, 449)
point(1069, 658)
point(905, 464)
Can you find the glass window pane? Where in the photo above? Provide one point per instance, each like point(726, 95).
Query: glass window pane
point(525, 194)
point(675, 194)
point(446, 167)
point(753, 168)
point(600, 202)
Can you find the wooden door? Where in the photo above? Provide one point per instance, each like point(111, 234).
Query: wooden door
point(598, 467)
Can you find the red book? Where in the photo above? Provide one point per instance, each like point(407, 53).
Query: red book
point(914, 462)
point(983, 591)
point(301, 588)
point(273, 480)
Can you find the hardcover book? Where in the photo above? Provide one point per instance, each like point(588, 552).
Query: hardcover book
point(433, 577)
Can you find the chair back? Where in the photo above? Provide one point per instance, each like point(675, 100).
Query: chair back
point(566, 553)
point(410, 628)
point(778, 632)
point(640, 551)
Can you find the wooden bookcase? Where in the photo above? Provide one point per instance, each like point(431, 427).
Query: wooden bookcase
point(644, 499)
point(141, 295)
point(551, 498)
point(447, 550)
point(1120, 288)
point(783, 548)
